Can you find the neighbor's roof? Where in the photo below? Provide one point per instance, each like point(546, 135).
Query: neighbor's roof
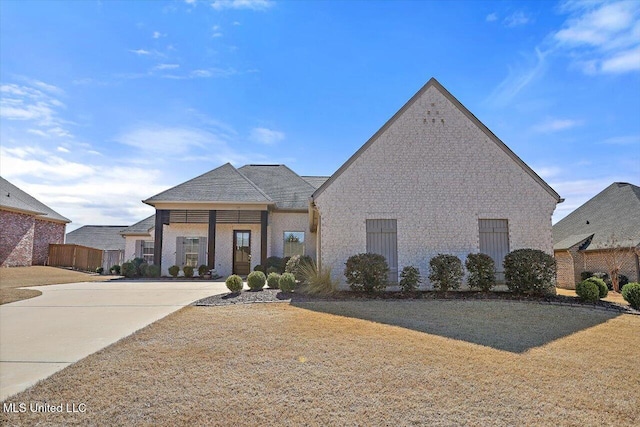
point(316, 181)
point(434, 83)
point(104, 237)
point(13, 198)
point(285, 187)
point(140, 227)
point(223, 184)
point(615, 211)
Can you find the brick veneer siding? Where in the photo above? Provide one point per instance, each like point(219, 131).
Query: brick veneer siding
point(46, 232)
point(595, 261)
point(16, 239)
point(437, 173)
point(565, 270)
point(573, 262)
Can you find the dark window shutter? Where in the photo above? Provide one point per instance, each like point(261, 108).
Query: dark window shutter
point(202, 251)
point(139, 244)
point(180, 251)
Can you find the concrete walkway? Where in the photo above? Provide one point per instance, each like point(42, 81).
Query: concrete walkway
point(42, 335)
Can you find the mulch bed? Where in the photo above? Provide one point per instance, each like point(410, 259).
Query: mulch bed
point(276, 295)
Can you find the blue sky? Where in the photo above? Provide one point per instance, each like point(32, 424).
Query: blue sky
point(106, 103)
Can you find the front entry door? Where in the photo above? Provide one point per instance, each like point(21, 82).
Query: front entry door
point(241, 252)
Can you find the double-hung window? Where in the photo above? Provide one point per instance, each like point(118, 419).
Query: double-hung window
point(293, 243)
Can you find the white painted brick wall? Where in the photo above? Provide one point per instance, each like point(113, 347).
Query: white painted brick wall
point(437, 179)
point(279, 222)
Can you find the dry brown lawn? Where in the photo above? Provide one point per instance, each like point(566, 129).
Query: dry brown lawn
point(396, 363)
point(16, 277)
point(611, 296)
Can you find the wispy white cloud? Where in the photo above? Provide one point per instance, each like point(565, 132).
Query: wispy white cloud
point(492, 17)
point(623, 140)
point(547, 172)
point(242, 4)
point(518, 78)
point(157, 35)
point(166, 66)
point(63, 149)
point(266, 136)
point(141, 52)
point(551, 125)
point(516, 19)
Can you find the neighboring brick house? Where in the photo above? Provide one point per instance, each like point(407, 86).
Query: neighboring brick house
point(432, 180)
point(107, 238)
point(27, 227)
point(584, 238)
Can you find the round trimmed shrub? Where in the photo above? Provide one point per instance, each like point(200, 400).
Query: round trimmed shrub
point(295, 263)
point(174, 270)
point(202, 270)
point(187, 270)
point(115, 269)
point(276, 263)
point(366, 272)
point(256, 280)
point(272, 280)
point(287, 282)
point(631, 294)
point(410, 279)
point(128, 270)
point(530, 271)
point(587, 290)
point(234, 283)
point(99, 270)
point(481, 270)
point(445, 272)
point(603, 291)
point(153, 271)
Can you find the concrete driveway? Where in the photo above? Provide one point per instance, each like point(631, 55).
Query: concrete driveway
point(42, 335)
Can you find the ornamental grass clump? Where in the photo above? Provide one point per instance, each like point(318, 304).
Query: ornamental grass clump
point(445, 272)
point(256, 280)
point(410, 279)
point(481, 270)
point(295, 263)
point(234, 283)
point(316, 281)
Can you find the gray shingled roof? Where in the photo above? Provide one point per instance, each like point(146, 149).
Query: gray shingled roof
point(281, 184)
point(11, 197)
point(104, 237)
point(223, 184)
point(613, 211)
point(316, 181)
point(140, 227)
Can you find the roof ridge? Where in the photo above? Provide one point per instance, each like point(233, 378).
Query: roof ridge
point(254, 184)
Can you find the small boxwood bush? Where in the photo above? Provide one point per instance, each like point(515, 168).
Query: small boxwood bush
point(445, 272)
point(256, 280)
point(153, 271)
point(272, 280)
point(187, 270)
point(410, 279)
point(234, 283)
point(99, 270)
point(294, 265)
point(481, 270)
point(115, 269)
point(202, 270)
point(604, 276)
point(274, 262)
point(530, 271)
point(602, 287)
point(174, 270)
point(631, 294)
point(587, 290)
point(367, 272)
point(128, 270)
point(287, 282)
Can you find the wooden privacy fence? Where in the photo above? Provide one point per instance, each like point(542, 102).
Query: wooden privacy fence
point(74, 256)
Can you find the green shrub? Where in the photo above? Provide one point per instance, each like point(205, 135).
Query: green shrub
point(622, 280)
point(530, 271)
point(99, 270)
point(445, 272)
point(273, 270)
point(274, 262)
point(316, 281)
point(153, 271)
point(587, 290)
point(128, 270)
point(187, 270)
point(234, 283)
point(174, 270)
point(287, 282)
point(115, 270)
point(202, 270)
point(259, 267)
point(137, 262)
point(631, 294)
point(294, 264)
point(602, 287)
point(142, 269)
point(367, 272)
point(585, 275)
point(272, 280)
point(256, 280)
point(481, 270)
point(604, 276)
point(410, 279)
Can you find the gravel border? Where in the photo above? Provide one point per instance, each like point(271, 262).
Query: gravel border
point(276, 295)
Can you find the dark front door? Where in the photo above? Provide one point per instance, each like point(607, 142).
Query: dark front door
point(241, 252)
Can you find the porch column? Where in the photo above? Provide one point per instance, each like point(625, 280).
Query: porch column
point(161, 219)
point(211, 259)
point(263, 236)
